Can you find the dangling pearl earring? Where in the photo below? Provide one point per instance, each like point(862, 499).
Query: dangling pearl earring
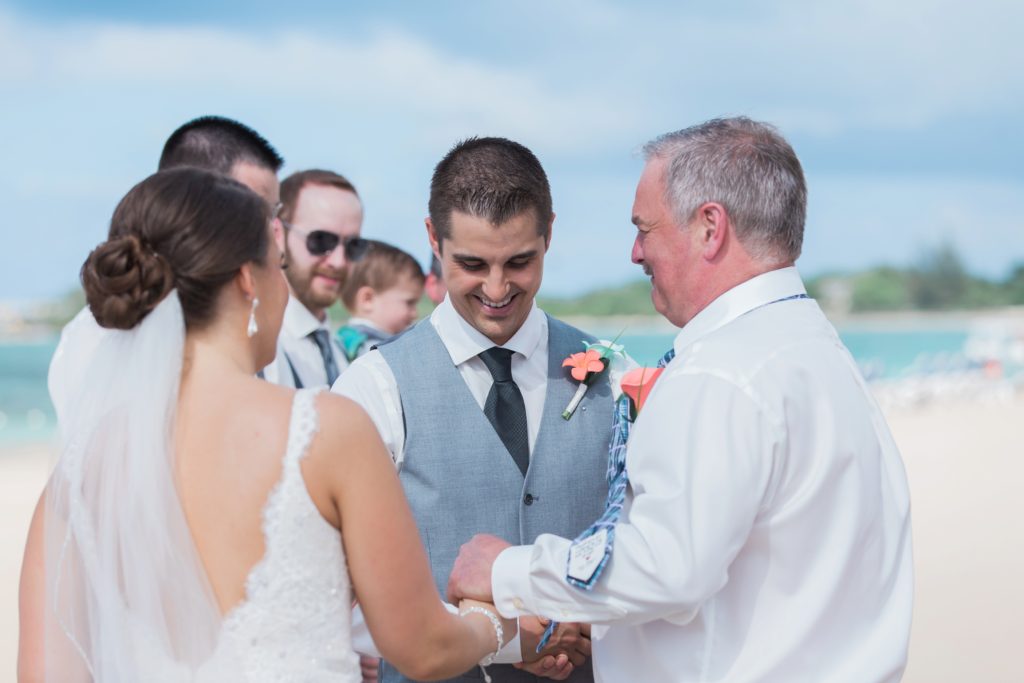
point(253, 328)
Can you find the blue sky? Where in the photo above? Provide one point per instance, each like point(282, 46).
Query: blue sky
point(905, 115)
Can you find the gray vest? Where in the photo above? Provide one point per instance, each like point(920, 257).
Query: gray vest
point(460, 480)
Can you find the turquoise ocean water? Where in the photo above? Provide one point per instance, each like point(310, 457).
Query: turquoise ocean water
point(26, 413)
point(880, 353)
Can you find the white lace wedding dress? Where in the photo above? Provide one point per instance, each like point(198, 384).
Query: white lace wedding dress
point(295, 622)
point(125, 584)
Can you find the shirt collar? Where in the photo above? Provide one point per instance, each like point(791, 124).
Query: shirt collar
point(365, 322)
point(464, 341)
point(743, 298)
point(298, 321)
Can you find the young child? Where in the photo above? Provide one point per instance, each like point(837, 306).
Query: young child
point(381, 293)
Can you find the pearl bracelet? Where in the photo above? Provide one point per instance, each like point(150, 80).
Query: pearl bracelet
point(499, 634)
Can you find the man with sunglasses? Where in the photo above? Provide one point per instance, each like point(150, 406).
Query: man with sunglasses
point(321, 216)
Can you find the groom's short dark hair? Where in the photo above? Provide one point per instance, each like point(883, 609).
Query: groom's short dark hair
point(491, 178)
point(216, 143)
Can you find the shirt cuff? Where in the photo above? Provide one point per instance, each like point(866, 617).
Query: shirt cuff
point(510, 581)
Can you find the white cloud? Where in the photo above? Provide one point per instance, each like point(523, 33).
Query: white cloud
point(601, 74)
point(816, 67)
point(87, 105)
point(385, 71)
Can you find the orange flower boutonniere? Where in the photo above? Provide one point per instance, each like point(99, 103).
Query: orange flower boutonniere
point(637, 384)
point(588, 365)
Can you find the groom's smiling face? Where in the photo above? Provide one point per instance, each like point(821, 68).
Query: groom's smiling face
point(492, 271)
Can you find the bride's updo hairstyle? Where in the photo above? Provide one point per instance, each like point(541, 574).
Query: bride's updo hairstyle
point(185, 229)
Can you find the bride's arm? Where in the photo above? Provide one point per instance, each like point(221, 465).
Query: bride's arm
point(386, 560)
point(31, 601)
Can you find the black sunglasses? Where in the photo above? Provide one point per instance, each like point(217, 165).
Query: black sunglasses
point(323, 242)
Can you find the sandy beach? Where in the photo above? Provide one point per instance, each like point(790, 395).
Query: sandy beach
point(965, 469)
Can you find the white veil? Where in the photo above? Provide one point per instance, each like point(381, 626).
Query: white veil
point(127, 595)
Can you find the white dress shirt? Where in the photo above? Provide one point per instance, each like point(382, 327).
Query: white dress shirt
point(766, 533)
point(295, 346)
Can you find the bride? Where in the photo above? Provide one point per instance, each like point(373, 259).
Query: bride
point(202, 524)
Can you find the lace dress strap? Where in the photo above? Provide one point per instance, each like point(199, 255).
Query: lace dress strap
point(305, 422)
point(290, 493)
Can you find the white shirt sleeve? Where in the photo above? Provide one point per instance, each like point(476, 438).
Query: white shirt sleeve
point(370, 383)
point(700, 461)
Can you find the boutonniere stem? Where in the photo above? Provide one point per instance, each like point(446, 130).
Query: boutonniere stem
point(581, 390)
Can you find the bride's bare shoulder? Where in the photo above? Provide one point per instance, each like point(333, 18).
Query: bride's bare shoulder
point(271, 396)
point(345, 426)
point(342, 414)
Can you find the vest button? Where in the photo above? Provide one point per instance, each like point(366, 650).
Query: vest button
point(528, 499)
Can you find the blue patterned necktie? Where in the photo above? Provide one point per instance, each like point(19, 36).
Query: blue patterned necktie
point(618, 480)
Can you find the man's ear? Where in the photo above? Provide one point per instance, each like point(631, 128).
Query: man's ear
point(547, 237)
point(435, 243)
point(713, 228)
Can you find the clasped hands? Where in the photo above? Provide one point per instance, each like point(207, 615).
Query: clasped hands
point(569, 645)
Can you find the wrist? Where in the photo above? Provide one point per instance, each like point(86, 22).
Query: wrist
point(497, 628)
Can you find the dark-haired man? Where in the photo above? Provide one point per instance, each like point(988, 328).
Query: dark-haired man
point(322, 216)
point(213, 143)
point(469, 401)
point(225, 146)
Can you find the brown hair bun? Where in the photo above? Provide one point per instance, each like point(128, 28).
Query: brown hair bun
point(124, 280)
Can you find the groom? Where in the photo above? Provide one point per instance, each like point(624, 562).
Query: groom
point(766, 532)
point(469, 401)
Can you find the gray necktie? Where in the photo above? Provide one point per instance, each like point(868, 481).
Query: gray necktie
point(505, 407)
point(322, 339)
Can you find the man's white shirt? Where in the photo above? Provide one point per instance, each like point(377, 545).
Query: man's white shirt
point(295, 349)
point(766, 534)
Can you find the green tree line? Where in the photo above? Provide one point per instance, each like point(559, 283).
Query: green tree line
point(938, 282)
